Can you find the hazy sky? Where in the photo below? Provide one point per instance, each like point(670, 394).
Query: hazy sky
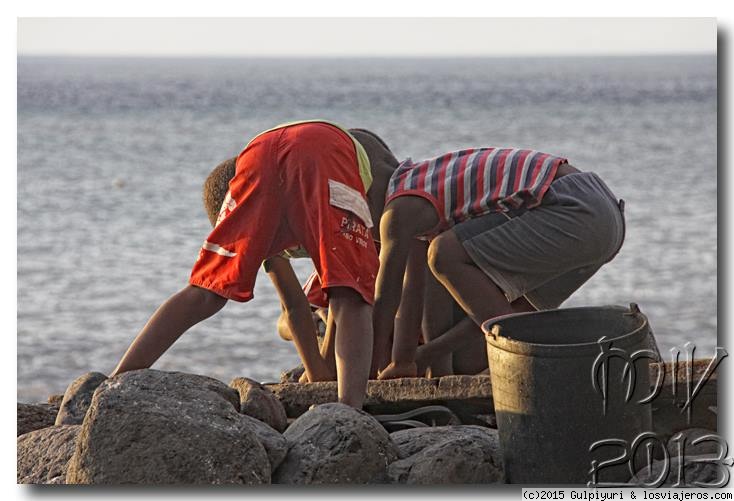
point(364, 36)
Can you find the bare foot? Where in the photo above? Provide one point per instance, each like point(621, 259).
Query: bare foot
point(325, 375)
point(380, 358)
point(433, 364)
point(422, 361)
point(399, 369)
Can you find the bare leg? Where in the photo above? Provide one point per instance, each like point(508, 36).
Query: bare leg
point(353, 344)
point(472, 357)
point(184, 309)
point(437, 319)
point(475, 292)
point(329, 343)
point(464, 342)
point(437, 350)
point(381, 355)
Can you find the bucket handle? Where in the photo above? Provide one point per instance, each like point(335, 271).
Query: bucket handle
point(652, 353)
point(494, 332)
point(634, 309)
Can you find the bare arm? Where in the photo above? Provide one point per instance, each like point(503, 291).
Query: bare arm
point(297, 317)
point(328, 343)
point(404, 219)
point(409, 315)
point(408, 320)
point(284, 330)
point(281, 325)
point(327, 346)
point(181, 311)
point(389, 287)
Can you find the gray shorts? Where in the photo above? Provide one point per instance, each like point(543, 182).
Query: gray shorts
point(548, 252)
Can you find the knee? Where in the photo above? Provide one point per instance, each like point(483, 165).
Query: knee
point(439, 255)
point(208, 300)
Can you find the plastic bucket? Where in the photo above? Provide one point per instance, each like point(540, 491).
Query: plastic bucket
point(557, 391)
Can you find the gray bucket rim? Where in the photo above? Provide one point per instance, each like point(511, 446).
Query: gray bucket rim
point(560, 350)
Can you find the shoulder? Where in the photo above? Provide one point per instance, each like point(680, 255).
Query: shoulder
point(408, 216)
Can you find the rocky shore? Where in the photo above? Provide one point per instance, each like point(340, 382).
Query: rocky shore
point(155, 427)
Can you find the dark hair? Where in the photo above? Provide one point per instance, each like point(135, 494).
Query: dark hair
point(216, 187)
point(373, 135)
point(377, 149)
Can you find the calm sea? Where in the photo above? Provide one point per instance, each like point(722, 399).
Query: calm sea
point(112, 154)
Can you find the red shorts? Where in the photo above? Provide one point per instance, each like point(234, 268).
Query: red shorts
point(315, 294)
point(298, 185)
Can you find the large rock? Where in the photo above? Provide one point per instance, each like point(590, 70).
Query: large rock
point(292, 375)
point(77, 398)
point(697, 471)
point(55, 400)
point(32, 417)
point(275, 444)
point(335, 444)
point(259, 402)
point(447, 455)
point(154, 427)
point(43, 455)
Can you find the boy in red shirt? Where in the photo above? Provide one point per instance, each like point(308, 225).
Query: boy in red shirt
point(310, 185)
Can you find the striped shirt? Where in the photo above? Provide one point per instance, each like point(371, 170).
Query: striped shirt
point(469, 183)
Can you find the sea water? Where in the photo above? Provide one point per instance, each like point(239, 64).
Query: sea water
point(112, 153)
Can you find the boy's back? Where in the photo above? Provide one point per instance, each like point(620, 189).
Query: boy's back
point(301, 184)
point(296, 185)
point(469, 183)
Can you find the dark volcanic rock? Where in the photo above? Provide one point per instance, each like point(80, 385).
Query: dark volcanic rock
point(447, 455)
point(32, 417)
point(154, 427)
point(697, 471)
point(292, 375)
point(43, 455)
point(275, 444)
point(335, 444)
point(259, 402)
point(55, 400)
point(77, 398)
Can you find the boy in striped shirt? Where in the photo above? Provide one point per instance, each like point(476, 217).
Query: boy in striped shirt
point(502, 230)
